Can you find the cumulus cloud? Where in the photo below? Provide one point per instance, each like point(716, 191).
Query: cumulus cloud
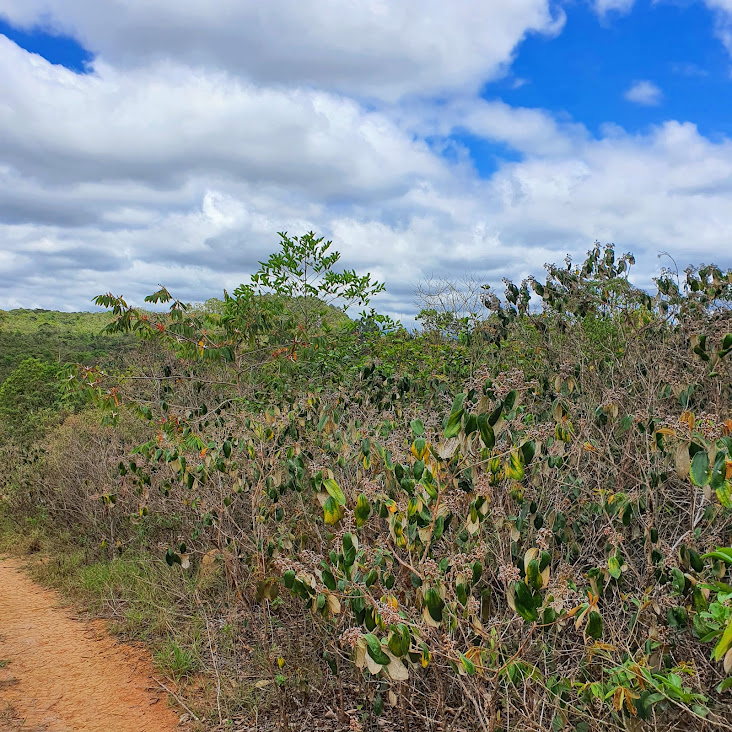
point(164, 123)
point(379, 48)
point(645, 93)
point(176, 168)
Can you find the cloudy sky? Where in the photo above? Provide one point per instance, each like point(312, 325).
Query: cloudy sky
point(168, 141)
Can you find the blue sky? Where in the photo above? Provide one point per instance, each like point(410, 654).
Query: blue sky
point(587, 69)
point(170, 141)
point(58, 49)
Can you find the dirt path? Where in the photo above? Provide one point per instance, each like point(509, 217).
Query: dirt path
point(58, 674)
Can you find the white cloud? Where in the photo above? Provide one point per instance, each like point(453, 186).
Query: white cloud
point(689, 70)
point(603, 7)
point(722, 10)
point(159, 171)
point(645, 93)
point(164, 123)
point(381, 48)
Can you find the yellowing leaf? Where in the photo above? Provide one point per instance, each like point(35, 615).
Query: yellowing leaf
point(396, 669)
point(728, 661)
point(359, 654)
point(687, 418)
point(372, 666)
point(723, 644)
point(683, 461)
point(428, 618)
point(335, 491)
point(334, 605)
point(331, 511)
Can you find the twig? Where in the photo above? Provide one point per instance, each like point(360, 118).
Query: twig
point(216, 667)
point(177, 698)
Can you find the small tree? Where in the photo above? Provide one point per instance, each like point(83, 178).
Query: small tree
point(292, 311)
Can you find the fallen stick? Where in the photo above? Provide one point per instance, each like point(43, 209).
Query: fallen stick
point(176, 697)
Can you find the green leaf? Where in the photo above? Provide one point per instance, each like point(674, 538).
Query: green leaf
point(528, 450)
point(545, 559)
point(695, 561)
point(172, 558)
point(417, 427)
point(533, 575)
point(373, 645)
point(594, 625)
point(458, 402)
point(724, 493)
point(514, 469)
point(477, 572)
point(399, 640)
point(435, 604)
point(613, 566)
point(468, 665)
point(289, 578)
point(724, 685)
point(719, 471)
point(525, 602)
point(700, 472)
point(328, 580)
point(335, 491)
point(724, 553)
point(406, 637)
point(452, 429)
point(678, 581)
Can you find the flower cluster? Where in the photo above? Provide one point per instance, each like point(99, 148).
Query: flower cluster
point(507, 381)
point(455, 501)
point(387, 613)
point(483, 486)
point(430, 570)
point(613, 536)
point(542, 432)
point(566, 369)
point(351, 637)
point(371, 489)
point(709, 427)
point(508, 574)
point(479, 378)
point(543, 538)
point(562, 594)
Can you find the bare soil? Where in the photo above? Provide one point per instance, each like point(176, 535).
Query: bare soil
point(62, 674)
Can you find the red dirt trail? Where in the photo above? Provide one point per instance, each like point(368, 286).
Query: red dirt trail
point(59, 674)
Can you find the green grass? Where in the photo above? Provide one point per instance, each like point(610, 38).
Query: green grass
point(143, 598)
point(176, 660)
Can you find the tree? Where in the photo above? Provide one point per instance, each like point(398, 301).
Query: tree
point(28, 399)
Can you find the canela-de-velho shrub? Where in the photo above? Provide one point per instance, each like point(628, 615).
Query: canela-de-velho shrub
point(537, 537)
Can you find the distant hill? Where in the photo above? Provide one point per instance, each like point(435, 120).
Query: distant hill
point(55, 337)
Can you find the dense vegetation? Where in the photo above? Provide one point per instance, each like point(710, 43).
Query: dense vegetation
point(517, 518)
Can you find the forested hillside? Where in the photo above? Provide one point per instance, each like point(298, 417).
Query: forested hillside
point(517, 517)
